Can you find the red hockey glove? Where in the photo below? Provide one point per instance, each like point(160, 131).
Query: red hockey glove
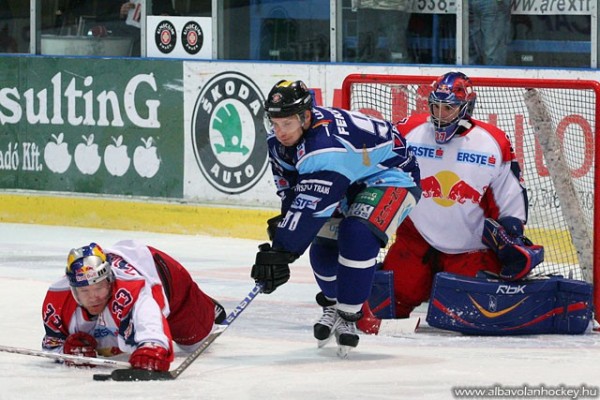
point(150, 356)
point(80, 344)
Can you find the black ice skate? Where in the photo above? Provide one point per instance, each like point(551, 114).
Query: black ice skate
point(345, 332)
point(325, 327)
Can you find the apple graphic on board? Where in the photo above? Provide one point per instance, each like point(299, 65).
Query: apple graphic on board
point(116, 159)
point(86, 155)
point(56, 154)
point(145, 159)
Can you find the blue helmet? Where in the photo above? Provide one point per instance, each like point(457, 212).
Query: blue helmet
point(451, 89)
point(88, 265)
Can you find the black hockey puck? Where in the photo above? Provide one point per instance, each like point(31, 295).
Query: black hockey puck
point(101, 377)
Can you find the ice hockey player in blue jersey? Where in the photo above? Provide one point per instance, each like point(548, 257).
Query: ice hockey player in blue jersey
point(346, 180)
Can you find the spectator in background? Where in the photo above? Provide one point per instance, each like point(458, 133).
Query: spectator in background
point(159, 7)
point(489, 31)
point(386, 19)
point(110, 17)
point(128, 12)
point(8, 44)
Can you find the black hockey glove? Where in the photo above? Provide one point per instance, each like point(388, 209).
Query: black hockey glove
point(271, 268)
point(272, 226)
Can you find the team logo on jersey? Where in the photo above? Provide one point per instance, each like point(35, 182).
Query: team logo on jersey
point(165, 36)
point(281, 183)
point(446, 189)
point(192, 37)
point(300, 151)
point(229, 131)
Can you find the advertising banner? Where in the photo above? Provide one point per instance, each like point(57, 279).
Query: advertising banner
point(179, 37)
point(533, 7)
point(91, 126)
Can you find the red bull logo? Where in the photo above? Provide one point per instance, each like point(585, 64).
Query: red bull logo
point(446, 189)
point(85, 273)
point(443, 88)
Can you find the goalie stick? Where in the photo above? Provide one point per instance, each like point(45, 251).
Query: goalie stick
point(399, 327)
point(129, 374)
point(66, 357)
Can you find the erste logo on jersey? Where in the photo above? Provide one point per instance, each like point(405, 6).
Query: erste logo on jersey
point(165, 36)
point(229, 131)
point(434, 152)
point(303, 201)
point(471, 157)
point(192, 37)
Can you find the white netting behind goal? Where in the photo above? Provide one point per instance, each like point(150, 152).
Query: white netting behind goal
point(573, 109)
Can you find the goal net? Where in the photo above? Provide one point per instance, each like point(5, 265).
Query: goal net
point(552, 125)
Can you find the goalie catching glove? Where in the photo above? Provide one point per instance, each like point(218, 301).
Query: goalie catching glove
point(271, 268)
point(517, 254)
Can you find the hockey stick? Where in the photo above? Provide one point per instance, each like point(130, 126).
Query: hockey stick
point(66, 357)
point(145, 375)
point(399, 327)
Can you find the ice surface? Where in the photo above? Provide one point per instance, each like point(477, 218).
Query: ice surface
point(268, 352)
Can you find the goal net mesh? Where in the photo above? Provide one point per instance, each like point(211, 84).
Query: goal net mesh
point(573, 110)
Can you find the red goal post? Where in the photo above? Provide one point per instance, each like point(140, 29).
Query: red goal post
point(553, 125)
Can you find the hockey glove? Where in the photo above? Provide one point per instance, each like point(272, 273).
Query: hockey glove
point(517, 254)
point(272, 226)
point(271, 268)
point(80, 344)
point(150, 356)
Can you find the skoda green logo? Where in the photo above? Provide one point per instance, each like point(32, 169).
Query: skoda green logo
point(229, 133)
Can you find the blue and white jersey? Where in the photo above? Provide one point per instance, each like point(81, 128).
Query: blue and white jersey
point(340, 154)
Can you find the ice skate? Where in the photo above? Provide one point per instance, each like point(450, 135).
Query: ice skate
point(325, 327)
point(346, 334)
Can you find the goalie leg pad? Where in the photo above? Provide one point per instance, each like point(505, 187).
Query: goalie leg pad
point(382, 300)
point(486, 306)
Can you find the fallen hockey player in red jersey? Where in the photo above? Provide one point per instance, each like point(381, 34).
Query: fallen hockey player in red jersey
point(130, 298)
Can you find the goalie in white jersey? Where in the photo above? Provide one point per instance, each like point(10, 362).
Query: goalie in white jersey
point(473, 208)
point(130, 298)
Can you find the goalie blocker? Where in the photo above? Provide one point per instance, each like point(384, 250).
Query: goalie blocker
point(487, 306)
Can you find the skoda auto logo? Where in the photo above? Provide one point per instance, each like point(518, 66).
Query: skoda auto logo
point(229, 133)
